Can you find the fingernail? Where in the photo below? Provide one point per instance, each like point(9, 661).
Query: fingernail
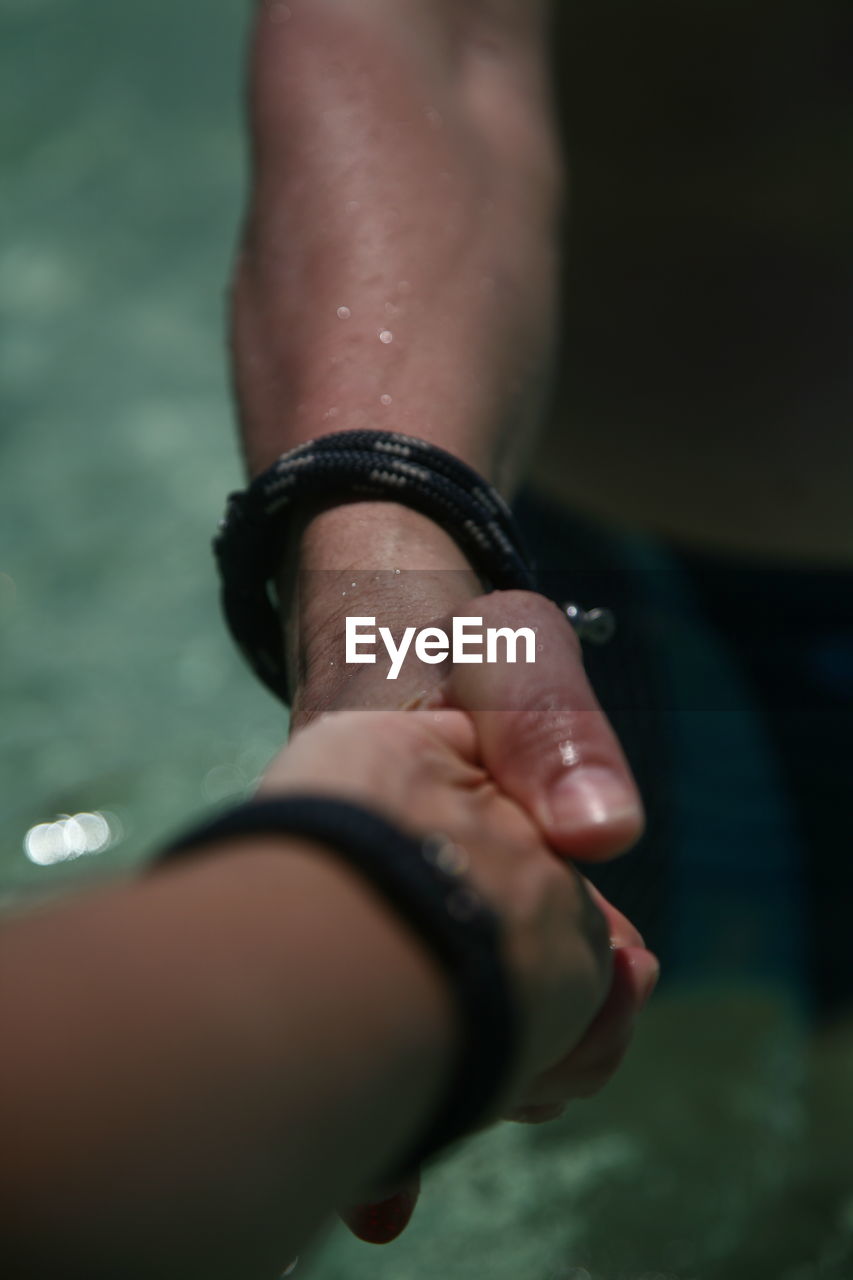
point(649, 986)
point(592, 797)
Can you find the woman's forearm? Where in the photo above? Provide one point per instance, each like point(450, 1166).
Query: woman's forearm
point(398, 265)
point(197, 1069)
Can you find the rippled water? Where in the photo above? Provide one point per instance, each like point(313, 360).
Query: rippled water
point(723, 1149)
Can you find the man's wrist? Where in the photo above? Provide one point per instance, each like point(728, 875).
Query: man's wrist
point(378, 535)
point(372, 559)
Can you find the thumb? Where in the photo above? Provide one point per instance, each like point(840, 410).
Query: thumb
point(543, 736)
point(381, 1221)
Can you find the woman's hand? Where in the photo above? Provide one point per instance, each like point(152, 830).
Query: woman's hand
point(578, 969)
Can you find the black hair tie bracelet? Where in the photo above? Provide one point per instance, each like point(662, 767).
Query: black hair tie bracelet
point(363, 466)
point(423, 879)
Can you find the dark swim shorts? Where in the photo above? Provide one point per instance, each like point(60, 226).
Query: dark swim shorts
point(730, 685)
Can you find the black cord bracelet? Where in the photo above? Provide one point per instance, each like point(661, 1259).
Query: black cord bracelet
point(424, 881)
point(343, 467)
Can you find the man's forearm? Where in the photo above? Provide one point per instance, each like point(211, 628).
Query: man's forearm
point(398, 264)
point(397, 271)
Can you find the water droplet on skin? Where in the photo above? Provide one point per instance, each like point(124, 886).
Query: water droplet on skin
point(344, 313)
point(331, 413)
point(352, 206)
point(396, 570)
point(353, 584)
point(569, 754)
point(386, 336)
point(386, 400)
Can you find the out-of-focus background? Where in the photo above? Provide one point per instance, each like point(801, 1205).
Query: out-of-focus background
point(123, 173)
point(722, 1149)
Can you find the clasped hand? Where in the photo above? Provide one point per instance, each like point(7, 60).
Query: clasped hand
point(486, 779)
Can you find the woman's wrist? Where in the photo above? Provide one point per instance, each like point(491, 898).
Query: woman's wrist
point(378, 995)
point(364, 1045)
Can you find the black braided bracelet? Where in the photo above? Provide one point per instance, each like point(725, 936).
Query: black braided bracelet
point(347, 466)
point(363, 466)
point(424, 881)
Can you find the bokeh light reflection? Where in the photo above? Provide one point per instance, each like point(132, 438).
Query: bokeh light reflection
point(71, 836)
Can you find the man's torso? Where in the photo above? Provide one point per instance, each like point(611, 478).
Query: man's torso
point(707, 379)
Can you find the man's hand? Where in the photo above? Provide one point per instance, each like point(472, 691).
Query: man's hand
point(541, 733)
point(543, 736)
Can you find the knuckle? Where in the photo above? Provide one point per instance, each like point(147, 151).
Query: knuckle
point(541, 725)
point(505, 604)
point(525, 606)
